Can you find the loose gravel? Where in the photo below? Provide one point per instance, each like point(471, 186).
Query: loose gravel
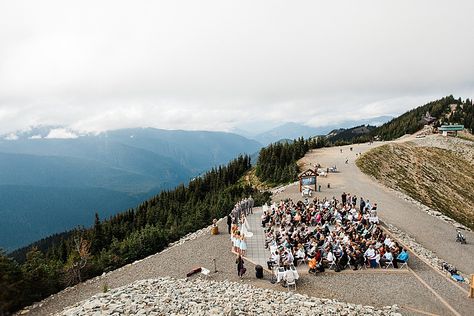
point(168, 296)
point(427, 255)
point(366, 287)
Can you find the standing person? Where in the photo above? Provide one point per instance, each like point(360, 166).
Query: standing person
point(237, 242)
point(239, 211)
point(240, 266)
point(344, 198)
point(354, 200)
point(244, 229)
point(362, 204)
point(229, 222)
point(368, 205)
point(251, 202)
point(243, 245)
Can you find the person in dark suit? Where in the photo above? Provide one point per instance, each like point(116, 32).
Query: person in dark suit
point(229, 222)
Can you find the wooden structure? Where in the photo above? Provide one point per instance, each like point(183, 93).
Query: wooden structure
point(471, 287)
point(308, 178)
point(452, 129)
point(428, 119)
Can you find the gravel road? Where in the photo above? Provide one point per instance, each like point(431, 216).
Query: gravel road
point(431, 232)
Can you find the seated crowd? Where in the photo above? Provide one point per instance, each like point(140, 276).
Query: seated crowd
point(328, 233)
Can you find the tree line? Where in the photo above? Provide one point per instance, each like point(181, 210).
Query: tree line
point(62, 260)
point(411, 121)
point(277, 163)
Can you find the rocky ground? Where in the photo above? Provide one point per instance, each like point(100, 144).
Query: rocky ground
point(427, 255)
point(168, 296)
point(365, 287)
point(463, 147)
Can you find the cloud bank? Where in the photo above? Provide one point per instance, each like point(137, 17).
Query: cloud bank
point(218, 65)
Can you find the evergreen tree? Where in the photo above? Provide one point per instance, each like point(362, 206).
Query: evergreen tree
point(11, 285)
point(98, 236)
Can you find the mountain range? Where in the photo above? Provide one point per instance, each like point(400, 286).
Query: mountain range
point(292, 130)
point(53, 178)
point(49, 184)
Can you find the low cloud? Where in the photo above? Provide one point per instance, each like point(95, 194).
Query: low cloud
point(215, 65)
point(61, 133)
point(11, 136)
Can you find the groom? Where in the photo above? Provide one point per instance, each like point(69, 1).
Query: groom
point(229, 222)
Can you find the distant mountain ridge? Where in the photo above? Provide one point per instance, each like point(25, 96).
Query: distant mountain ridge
point(294, 130)
point(105, 173)
point(348, 134)
point(289, 130)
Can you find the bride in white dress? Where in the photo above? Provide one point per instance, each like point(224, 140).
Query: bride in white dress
point(244, 230)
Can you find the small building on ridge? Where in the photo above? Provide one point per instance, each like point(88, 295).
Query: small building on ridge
point(450, 130)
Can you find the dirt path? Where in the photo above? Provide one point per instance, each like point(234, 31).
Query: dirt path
point(431, 232)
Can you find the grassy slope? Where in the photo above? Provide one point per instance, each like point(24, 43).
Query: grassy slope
point(438, 178)
point(466, 136)
point(251, 179)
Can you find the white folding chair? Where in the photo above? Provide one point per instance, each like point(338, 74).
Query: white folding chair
point(205, 272)
point(377, 259)
point(288, 284)
point(405, 264)
point(300, 261)
point(332, 264)
point(388, 264)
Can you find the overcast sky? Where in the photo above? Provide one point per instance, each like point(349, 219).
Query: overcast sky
point(212, 65)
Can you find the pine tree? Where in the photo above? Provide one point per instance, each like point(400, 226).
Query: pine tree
point(98, 236)
point(11, 285)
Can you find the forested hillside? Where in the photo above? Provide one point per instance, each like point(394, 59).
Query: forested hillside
point(49, 185)
point(277, 163)
point(445, 111)
point(68, 258)
point(350, 135)
point(410, 122)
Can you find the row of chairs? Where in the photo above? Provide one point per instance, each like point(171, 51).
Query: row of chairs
point(275, 269)
point(388, 265)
